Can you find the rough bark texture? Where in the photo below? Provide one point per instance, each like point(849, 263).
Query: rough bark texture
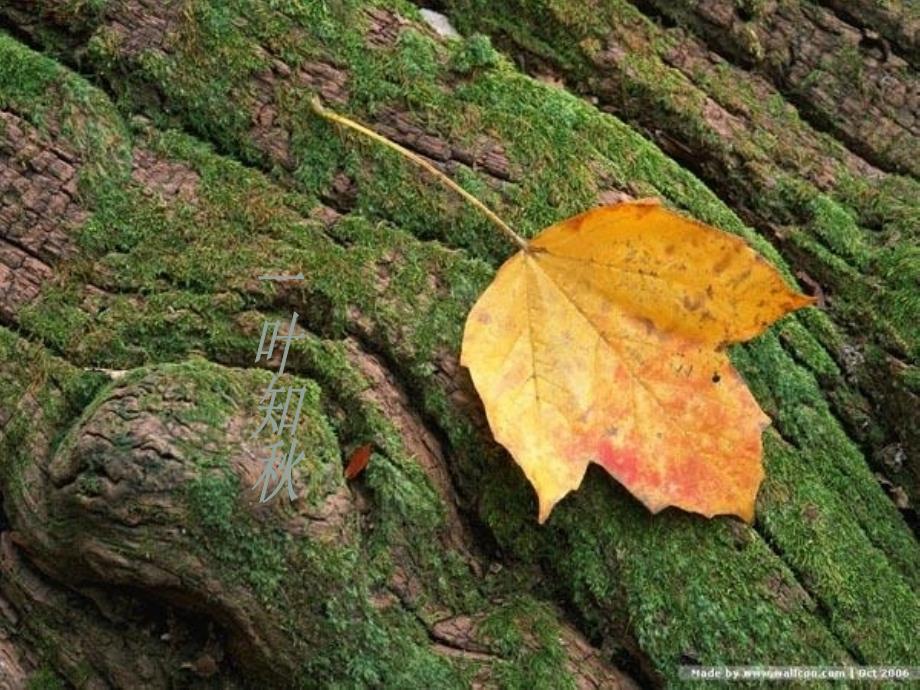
point(160, 156)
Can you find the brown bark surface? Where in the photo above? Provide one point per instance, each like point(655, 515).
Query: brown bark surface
point(159, 156)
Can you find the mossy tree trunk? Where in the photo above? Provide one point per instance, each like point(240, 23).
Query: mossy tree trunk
point(159, 157)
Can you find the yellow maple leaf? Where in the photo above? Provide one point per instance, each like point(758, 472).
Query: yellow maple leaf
point(603, 342)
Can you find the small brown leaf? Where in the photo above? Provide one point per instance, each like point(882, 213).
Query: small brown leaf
point(358, 461)
point(204, 666)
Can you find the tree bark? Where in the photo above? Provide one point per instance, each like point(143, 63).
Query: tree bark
point(156, 158)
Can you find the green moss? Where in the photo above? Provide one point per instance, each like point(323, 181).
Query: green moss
point(808, 350)
point(796, 403)
point(44, 93)
point(57, 394)
point(415, 65)
point(244, 554)
point(837, 228)
point(691, 587)
point(473, 53)
point(56, 316)
point(806, 524)
point(44, 679)
point(24, 79)
point(405, 502)
point(526, 666)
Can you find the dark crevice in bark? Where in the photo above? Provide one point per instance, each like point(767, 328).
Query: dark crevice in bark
point(341, 197)
point(188, 633)
point(795, 94)
point(14, 326)
point(31, 253)
point(638, 667)
point(4, 520)
point(627, 653)
point(17, 25)
point(825, 124)
point(888, 37)
point(480, 537)
point(868, 449)
point(737, 110)
point(171, 643)
point(653, 13)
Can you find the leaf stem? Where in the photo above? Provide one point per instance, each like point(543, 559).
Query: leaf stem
point(418, 160)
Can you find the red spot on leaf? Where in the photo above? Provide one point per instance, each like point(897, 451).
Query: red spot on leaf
point(688, 477)
point(622, 464)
